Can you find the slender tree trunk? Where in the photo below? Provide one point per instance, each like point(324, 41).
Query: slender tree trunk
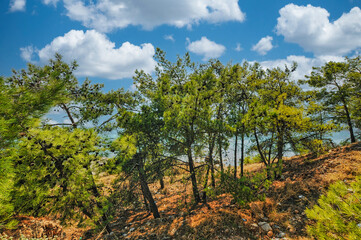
point(197, 198)
point(145, 189)
point(160, 176)
point(242, 149)
point(204, 197)
point(212, 171)
point(146, 204)
point(161, 182)
point(210, 158)
point(349, 123)
point(220, 155)
point(280, 146)
point(235, 155)
point(262, 155)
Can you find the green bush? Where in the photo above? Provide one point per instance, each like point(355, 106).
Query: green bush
point(245, 189)
point(338, 213)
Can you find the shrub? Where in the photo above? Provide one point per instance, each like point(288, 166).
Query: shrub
point(247, 188)
point(338, 213)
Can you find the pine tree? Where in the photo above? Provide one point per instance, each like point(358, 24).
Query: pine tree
point(338, 213)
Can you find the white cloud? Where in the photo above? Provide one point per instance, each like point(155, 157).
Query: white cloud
point(27, 53)
point(207, 48)
point(97, 56)
point(50, 2)
point(263, 46)
point(238, 47)
point(304, 64)
point(17, 5)
point(169, 37)
point(106, 15)
point(311, 28)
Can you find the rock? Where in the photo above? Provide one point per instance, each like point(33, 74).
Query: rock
point(265, 226)
point(131, 230)
point(270, 234)
point(276, 226)
point(301, 196)
point(281, 235)
point(296, 211)
point(254, 225)
point(359, 225)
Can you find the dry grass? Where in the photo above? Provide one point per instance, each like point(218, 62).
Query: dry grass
point(305, 178)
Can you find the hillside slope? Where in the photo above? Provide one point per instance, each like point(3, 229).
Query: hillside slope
point(305, 178)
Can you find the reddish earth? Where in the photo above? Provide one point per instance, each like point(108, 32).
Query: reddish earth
point(305, 178)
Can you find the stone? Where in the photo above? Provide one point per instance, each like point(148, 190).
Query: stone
point(281, 235)
point(131, 230)
point(254, 225)
point(265, 226)
point(270, 234)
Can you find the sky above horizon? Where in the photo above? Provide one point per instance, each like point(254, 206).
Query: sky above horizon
point(110, 39)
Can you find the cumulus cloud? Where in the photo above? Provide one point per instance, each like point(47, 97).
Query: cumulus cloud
point(106, 15)
point(207, 48)
point(17, 5)
point(310, 27)
point(97, 56)
point(263, 46)
point(304, 64)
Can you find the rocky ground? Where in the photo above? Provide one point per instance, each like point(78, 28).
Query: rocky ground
point(280, 216)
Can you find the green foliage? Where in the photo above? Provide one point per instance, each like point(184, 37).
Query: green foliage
point(25, 97)
point(6, 186)
point(338, 213)
point(247, 188)
point(337, 84)
point(53, 173)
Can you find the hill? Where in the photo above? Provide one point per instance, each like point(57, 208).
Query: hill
point(280, 216)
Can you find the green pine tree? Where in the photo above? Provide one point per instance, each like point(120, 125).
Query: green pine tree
point(338, 213)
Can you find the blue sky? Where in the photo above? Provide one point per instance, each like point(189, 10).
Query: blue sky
point(112, 38)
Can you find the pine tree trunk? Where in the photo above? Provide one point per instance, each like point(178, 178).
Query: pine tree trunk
point(161, 182)
point(212, 171)
point(349, 123)
point(196, 196)
point(145, 189)
point(204, 197)
point(280, 146)
point(242, 150)
point(220, 155)
point(211, 161)
point(235, 156)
